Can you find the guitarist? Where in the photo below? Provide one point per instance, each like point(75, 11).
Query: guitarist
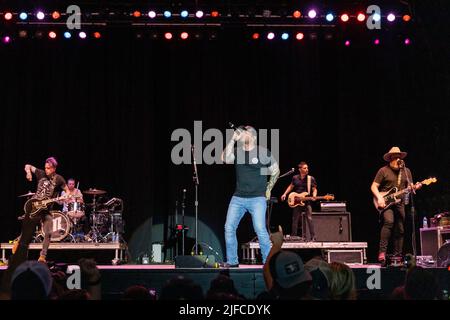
point(393, 175)
point(302, 183)
point(49, 184)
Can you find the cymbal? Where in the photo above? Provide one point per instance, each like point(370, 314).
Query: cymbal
point(94, 191)
point(29, 194)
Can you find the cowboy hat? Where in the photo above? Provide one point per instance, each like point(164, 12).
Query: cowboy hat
point(394, 153)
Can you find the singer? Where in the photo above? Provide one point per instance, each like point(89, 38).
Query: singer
point(392, 175)
point(302, 183)
point(253, 164)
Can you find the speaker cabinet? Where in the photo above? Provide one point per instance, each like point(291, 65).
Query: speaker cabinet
point(329, 226)
point(431, 239)
point(195, 261)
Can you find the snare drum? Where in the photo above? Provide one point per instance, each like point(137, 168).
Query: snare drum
point(61, 226)
point(75, 210)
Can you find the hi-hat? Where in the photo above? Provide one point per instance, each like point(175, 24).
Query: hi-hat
point(29, 194)
point(94, 191)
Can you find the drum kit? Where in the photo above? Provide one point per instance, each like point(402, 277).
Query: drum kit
point(98, 221)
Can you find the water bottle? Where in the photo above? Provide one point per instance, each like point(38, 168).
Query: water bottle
point(425, 223)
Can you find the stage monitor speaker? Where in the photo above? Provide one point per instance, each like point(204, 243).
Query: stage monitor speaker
point(195, 261)
point(330, 226)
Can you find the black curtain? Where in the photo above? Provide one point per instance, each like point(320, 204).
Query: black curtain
point(106, 109)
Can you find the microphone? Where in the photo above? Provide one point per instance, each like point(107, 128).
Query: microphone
point(232, 126)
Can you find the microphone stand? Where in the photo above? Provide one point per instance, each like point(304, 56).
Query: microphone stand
point(413, 210)
point(183, 205)
point(287, 173)
point(196, 183)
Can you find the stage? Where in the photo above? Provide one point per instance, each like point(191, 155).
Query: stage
point(248, 279)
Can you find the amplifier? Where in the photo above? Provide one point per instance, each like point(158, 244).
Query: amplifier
point(333, 206)
point(329, 226)
point(431, 239)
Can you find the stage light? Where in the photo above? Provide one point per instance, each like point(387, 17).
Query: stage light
point(82, 35)
point(347, 43)
point(167, 14)
point(329, 17)
point(406, 17)
point(285, 36)
point(67, 35)
point(6, 39)
point(313, 36)
point(40, 15)
point(297, 14)
point(407, 42)
point(312, 14)
point(299, 36)
point(39, 34)
point(23, 33)
point(8, 16)
point(151, 14)
point(97, 35)
point(184, 14)
point(168, 35)
point(255, 36)
point(376, 17)
point(23, 16)
point(214, 14)
point(56, 15)
point(345, 17)
point(136, 14)
point(199, 14)
point(270, 35)
point(361, 17)
point(391, 17)
point(52, 35)
point(376, 42)
point(184, 35)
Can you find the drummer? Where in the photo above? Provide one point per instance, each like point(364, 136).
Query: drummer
point(78, 196)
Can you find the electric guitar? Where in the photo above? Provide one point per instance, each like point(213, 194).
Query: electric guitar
point(394, 195)
point(34, 206)
point(297, 199)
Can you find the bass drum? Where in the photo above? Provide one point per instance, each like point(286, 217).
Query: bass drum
point(61, 226)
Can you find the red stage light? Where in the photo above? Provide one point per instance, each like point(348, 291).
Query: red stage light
point(8, 16)
point(214, 14)
point(361, 17)
point(299, 36)
point(255, 36)
point(97, 35)
point(136, 14)
point(184, 35)
point(168, 35)
point(56, 15)
point(406, 17)
point(345, 17)
point(297, 14)
point(52, 34)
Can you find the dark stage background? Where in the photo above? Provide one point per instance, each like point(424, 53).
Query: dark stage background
point(106, 111)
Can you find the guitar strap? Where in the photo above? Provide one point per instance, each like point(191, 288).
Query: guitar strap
point(399, 179)
point(308, 184)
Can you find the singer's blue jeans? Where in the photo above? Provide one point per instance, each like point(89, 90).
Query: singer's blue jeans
point(237, 208)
